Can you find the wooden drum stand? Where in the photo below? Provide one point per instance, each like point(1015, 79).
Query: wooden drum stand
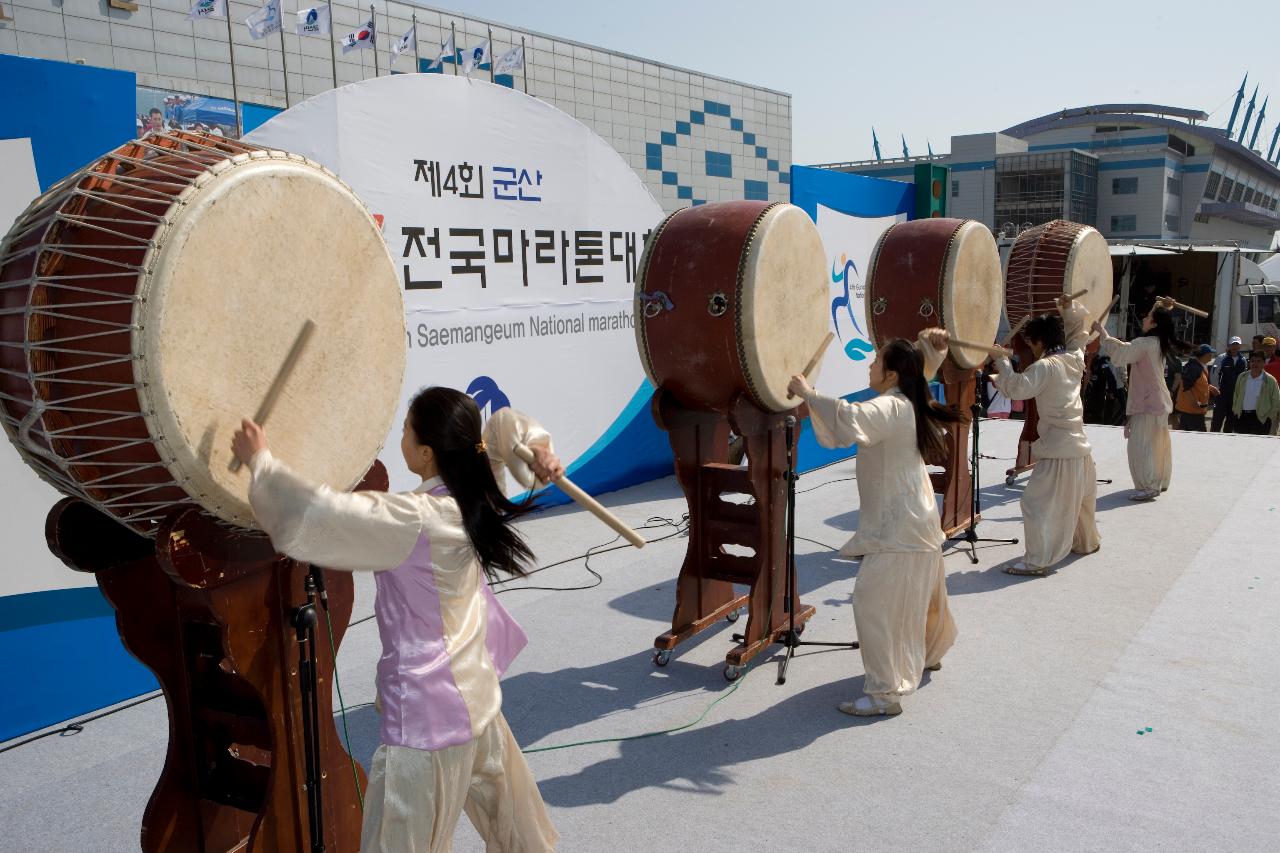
point(213, 613)
point(704, 589)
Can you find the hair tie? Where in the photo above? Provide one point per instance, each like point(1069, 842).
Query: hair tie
point(482, 448)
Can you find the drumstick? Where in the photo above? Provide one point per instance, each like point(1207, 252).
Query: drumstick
point(1170, 303)
point(1013, 333)
point(277, 385)
point(1073, 297)
point(1103, 318)
point(817, 357)
point(571, 489)
point(994, 350)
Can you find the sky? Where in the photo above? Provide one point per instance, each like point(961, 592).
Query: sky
point(931, 69)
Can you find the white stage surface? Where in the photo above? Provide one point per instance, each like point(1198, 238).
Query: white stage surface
point(1027, 739)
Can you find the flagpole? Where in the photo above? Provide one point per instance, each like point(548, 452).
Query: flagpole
point(235, 90)
point(284, 63)
point(333, 52)
point(453, 38)
point(524, 65)
point(417, 62)
point(492, 75)
point(373, 19)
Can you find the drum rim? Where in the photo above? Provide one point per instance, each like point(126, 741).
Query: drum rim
point(948, 267)
point(642, 276)
point(153, 401)
point(749, 245)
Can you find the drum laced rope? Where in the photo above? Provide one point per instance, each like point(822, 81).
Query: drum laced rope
point(37, 443)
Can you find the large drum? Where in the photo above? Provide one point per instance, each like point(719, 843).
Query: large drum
point(1053, 259)
point(936, 272)
point(148, 302)
point(731, 298)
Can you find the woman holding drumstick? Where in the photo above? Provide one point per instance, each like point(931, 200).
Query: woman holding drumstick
point(1147, 428)
point(1060, 500)
point(445, 745)
point(900, 598)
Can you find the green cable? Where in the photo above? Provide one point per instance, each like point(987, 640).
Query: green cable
point(689, 725)
point(342, 706)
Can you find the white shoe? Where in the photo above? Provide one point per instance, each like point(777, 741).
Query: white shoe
point(869, 706)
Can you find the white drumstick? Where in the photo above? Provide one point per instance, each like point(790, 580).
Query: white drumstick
point(817, 357)
point(571, 489)
point(991, 348)
point(1103, 318)
point(277, 385)
point(1013, 333)
point(1171, 303)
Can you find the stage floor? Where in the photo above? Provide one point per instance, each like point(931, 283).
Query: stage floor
point(1027, 739)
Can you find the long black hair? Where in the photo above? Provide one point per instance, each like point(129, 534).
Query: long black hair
point(1047, 331)
point(1170, 343)
point(448, 422)
point(901, 356)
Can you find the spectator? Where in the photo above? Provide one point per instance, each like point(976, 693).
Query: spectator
point(1272, 363)
point(1230, 365)
point(1257, 399)
point(155, 120)
point(1194, 391)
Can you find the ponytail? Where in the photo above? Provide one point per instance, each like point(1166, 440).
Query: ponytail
point(448, 422)
point(902, 357)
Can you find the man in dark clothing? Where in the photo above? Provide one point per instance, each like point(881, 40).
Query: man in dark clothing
point(1230, 365)
point(1192, 399)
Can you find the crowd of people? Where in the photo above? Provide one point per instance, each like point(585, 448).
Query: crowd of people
point(1235, 391)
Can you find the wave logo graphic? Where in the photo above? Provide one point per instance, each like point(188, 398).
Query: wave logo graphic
point(857, 347)
point(488, 396)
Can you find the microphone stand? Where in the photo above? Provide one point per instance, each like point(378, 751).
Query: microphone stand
point(970, 536)
point(792, 638)
point(304, 619)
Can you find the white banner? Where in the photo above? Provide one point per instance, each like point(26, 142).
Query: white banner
point(314, 22)
point(264, 21)
point(201, 9)
point(516, 231)
point(849, 241)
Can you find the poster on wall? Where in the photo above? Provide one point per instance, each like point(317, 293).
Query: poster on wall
point(851, 212)
point(160, 109)
point(517, 233)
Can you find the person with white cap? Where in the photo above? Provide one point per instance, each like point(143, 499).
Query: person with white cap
point(1228, 367)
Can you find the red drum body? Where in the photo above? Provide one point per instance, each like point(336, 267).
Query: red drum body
point(731, 300)
point(935, 272)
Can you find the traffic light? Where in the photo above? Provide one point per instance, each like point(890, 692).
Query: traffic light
point(931, 190)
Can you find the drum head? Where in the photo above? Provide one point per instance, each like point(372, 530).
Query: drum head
point(261, 244)
point(783, 315)
point(972, 294)
point(1089, 268)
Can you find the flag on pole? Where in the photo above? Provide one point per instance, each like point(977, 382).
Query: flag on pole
point(315, 22)
point(406, 42)
point(446, 49)
point(510, 62)
point(264, 21)
point(363, 38)
point(477, 55)
point(202, 9)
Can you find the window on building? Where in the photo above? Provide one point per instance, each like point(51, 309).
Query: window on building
point(1172, 222)
point(1238, 193)
point(1172, 185)
point(1181, 145)
point(1224, 193)
point(1248, 195)
point(1124, 186)
point(1211, 185)
point(955, 189)
point(1124, 223)
point(1202, 218)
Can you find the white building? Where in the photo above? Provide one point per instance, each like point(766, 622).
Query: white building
point(1181, 202)
point(692, 137)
